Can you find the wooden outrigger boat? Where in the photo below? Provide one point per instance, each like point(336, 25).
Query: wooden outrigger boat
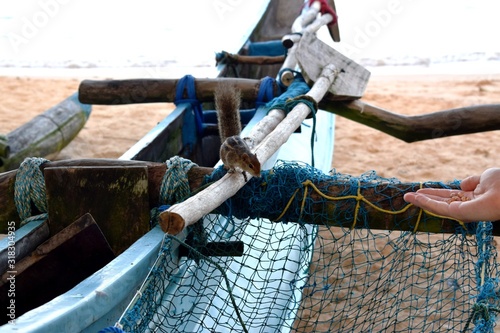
point(109, 201)
point(99, 299)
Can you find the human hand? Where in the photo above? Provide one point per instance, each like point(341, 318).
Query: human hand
point(482, 195)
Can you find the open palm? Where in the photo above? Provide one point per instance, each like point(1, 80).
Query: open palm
point(482, 195)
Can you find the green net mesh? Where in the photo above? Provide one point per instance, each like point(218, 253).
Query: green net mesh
point(332, 270)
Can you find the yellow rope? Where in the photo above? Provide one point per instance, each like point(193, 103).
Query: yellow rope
point(420, 211)
point(356, 210)
point(360, 198)
point(287, 205)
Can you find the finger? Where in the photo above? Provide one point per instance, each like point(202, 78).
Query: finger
point(409, 197)
point(438, 192)
point(469, 183)
point(437, 197)
point(438, 207)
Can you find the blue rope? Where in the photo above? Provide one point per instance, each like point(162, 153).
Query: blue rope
point(29, 188)
point(295, 94)
point(266, 91)
point(186, 84)
point(296, 74)
point(297, 88)
point(484, 311)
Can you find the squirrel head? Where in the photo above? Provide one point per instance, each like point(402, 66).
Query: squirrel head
point(250, 164)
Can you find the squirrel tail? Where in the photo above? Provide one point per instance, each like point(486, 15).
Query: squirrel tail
point(227, 103)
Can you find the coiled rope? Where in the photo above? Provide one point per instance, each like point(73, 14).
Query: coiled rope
point(29, 188)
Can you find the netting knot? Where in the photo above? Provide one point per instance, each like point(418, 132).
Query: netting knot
point(481, 317)
point(29, 188)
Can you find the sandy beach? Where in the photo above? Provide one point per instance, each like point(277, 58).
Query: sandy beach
point(111, 130)
point(358, 148)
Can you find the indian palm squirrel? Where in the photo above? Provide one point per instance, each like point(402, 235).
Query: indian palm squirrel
point(234, 151)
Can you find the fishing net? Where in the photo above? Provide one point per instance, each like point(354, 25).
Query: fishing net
point(298, 250)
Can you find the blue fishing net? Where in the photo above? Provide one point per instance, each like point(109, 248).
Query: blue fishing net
point(322, 253)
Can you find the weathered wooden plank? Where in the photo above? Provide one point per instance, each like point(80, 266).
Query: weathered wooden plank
point(312, 55)
point(8, 211)
point(24, 241)
point(155, 171)
point(61, 262)
point(231, 58)
point(117, 198)
point(115, 92)
point(47, 133)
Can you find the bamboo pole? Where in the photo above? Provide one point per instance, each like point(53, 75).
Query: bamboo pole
point(308, 22)
point(179, 216)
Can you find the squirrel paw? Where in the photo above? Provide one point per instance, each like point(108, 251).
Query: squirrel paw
point(233, 170)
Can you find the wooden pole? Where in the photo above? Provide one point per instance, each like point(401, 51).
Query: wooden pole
point(254, 60)
point(179, 216)
point(333, 29)
point(114, 92)
point(466, 120)
point(307, 22)
point(321, 211)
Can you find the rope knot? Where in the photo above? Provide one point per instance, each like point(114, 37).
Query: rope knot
point(175, 183)
point(305, 99)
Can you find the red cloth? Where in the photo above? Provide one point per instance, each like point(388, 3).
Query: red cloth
point(326, 9)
